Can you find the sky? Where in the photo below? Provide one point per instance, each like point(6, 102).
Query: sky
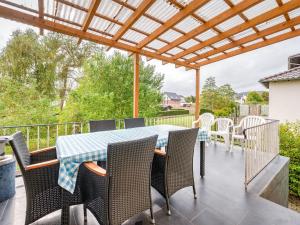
point(242, 72)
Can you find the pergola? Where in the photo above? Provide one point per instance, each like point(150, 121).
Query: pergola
point(187, 33)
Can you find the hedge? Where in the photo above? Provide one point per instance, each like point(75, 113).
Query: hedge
point(174, 112)
point(290, 147)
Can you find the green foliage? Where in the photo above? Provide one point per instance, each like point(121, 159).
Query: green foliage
point(290, 147)
point(254, 97)
point(36, 75)
point(265, 96)
point(105, 90)
point(219, 100)
point(190, 99)
point(40, 75)
point(174, 112)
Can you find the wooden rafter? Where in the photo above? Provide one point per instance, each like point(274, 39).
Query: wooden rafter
point(210, 24)
point(133, 18)
point(90, 15)
point(286, 15)
point(41, 13)
point(252, 37)
point(293, 4)
point(49, 25)
point(262, 44)
point(193, 6)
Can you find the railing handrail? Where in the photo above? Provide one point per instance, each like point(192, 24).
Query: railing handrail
point(260, 125)
point(35, 125)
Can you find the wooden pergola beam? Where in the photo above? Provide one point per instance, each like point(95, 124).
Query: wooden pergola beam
point(197, 94)
point(270, 41)
point(252, 37)
point(293, 4)
point(193, 6)
point(136, 85)
point(60, 28)
point(41, 13)
point(90, 15)
point(210, 24)
point(133, 18)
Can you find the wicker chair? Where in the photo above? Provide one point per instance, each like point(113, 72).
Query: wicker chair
point(40, 174)
point(102, 125)
point(123, 190)
point(173, 170)
point(134, 122)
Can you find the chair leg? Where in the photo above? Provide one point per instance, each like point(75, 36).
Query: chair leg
point(227, 142)
point(168, 206)
point(85, 213)
point(194, 190)
point(152, 215)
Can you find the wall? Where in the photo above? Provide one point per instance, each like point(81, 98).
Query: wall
point(284, 100)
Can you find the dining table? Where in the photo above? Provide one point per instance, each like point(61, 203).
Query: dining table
point(73, 150)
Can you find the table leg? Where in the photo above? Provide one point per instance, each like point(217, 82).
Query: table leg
point(202, 158)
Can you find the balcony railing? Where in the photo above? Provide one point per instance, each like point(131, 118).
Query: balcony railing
point(261, 147)
point(44, 135)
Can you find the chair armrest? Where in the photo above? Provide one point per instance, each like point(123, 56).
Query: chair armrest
point(159, 152)
point(43, 150)
point(196, 122)
point(42, 165)
point(42, 155)
point(95, 169)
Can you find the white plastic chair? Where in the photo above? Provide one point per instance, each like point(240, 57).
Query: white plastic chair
point(223, 126)
point(205, 121)
point(248, 121)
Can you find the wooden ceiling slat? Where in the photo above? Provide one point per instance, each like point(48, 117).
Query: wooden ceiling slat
point(52, 26)
point(193, 6)
point(262, 44)
point(210, 24)
point(293, 4)
point(286, 15)
point(252, 37)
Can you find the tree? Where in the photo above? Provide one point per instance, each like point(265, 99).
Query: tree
point(219, 100)
point(254, 97)
point(265, 96)
point(190, 99)
point(37, 73)
point(106, 90)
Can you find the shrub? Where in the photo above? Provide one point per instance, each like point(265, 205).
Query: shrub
point(290, 147)
point(174, 112)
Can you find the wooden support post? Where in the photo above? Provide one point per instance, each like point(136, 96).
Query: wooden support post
point(197, 104)
point(136, 85)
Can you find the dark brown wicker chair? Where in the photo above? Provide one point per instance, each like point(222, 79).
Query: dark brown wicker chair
point(134, 122)
point(123, 190)
point(40, 174)
point(173, 170)
point(102, 125)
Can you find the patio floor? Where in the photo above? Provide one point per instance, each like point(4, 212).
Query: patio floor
point(222, 199)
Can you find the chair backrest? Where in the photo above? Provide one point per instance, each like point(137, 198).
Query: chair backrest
point(206, 121)
point(102, 125)
point(223, 124)
point(134, 122)
point(180, 154)
point(129, 168)
point(20, 150)
point(251, 121)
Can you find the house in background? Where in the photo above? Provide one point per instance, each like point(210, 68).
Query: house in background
point(284, 93)
point(172, 99)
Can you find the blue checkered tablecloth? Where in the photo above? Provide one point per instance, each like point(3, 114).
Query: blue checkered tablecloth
point(72, 150)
